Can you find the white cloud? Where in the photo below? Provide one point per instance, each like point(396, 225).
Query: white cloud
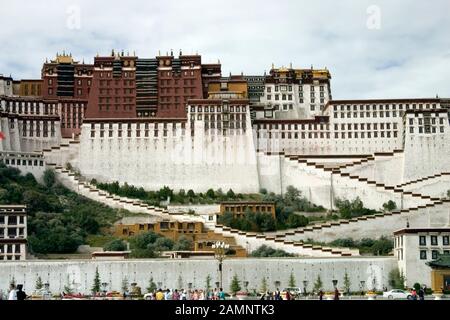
point(407, 57)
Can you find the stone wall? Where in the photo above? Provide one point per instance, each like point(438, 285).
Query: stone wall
point(81, 273)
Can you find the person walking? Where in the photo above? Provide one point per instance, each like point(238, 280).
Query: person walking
point(159, 295)
point(336, 294)
point(183, 295)
point(288, 295)
point(20, 294)
point(167, 295)
point(320, 295)
point(421, 294)
point(176, 295)
point(12, 292)
point(221, 294)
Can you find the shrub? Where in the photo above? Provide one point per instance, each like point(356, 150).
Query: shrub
point(115, 245)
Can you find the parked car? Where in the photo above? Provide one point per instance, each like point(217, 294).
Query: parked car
point(397, 294)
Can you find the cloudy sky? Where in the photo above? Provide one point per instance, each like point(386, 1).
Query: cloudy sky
point(374, 49)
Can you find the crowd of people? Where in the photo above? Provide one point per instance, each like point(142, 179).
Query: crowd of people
point(196, 294)
point(15, 292)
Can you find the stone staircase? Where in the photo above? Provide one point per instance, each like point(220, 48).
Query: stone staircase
point(253, 241)
point(370, 189)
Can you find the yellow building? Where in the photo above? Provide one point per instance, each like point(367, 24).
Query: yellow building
point(30, 88)
point(235, 87)
point(130, 226)
point(440, 274)
point(202, 239)
point(238, 208)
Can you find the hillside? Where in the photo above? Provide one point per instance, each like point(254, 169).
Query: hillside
point(59, 220)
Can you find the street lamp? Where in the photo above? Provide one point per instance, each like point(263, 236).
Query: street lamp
point(220, 250)
point(305, 285)
point(335, 282)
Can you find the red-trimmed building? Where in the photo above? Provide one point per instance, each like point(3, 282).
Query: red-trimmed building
point(66, 84)
point(113, 90)
point(179, 79)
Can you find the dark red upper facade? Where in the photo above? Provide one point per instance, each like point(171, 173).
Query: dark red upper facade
point(113, 90)
point(179, 79)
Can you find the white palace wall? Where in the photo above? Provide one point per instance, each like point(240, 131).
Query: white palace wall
point(169, 155)
point(166, 273)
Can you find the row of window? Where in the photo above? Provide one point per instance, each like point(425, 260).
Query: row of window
point(116, 99)
point(289, 88)
point(108, 74)
point(22, 162)
point(176, 82)
point(169, 90)
point(9, 248)
point(107, 83)
point(434, 240)
point(169, 73)
point(434, 254)
point(176, 98)
point(427, 120)
point(218, 117)
point(289, 97)
point(363, 126)
point(46, 110)
point(322, 135)
point(128, 126)
point(79, 82)
point(107, 107)
point(374, 114)
point(104, 91)
point(11, 220)
point(427, 129)
point(380, 107)
point(225, 108)
point(33, 128)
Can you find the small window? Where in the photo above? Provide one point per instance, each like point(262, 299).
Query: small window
point(423, 255)
point(445, 240)
point(434, 254)
point(422, 241)
point(434, 240)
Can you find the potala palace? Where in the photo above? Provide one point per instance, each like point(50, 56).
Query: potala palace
point(177, 122)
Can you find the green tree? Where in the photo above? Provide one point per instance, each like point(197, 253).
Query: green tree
point(39, 285)
point(115, 245)
point(382, 247)
point(264, 285)
point(151, 286)
point(230, 194)
point(210, 194)
point(165, 193)
point(318, 285)
point(183, 244)
point(97, 282)
point(292, 281)
point(191, 193)
point(397, 279)
point(235, 285)
point(347, 284)
point(265, 251)
point(389, 206)
point(208, 283)
point(49, 178)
